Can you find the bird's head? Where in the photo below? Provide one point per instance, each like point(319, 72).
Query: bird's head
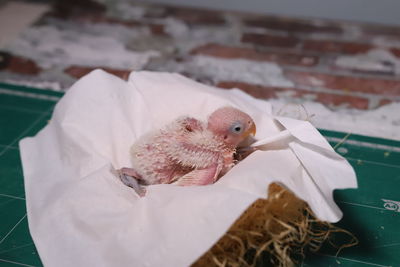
point(231, 125)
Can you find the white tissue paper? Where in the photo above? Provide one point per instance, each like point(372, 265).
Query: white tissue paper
point(80, 213)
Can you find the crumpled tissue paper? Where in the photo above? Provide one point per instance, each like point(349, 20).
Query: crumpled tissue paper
point(80, 213)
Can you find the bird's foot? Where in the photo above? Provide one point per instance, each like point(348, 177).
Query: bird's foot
point(131, 181)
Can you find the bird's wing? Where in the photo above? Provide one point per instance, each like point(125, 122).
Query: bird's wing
point(194, 156)
point(197, 149)
point(201, 176)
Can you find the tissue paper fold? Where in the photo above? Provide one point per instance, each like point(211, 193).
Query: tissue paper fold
point(79, 212)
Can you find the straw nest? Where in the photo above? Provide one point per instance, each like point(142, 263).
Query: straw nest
point(276, 231)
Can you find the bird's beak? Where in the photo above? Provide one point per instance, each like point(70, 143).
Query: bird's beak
point(251, 131)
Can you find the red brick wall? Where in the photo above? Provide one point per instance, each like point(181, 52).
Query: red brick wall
point(305, 50)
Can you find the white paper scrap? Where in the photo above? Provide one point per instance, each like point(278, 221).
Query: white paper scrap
point(79, 212)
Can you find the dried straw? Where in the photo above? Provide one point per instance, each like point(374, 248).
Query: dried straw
point(274, 231)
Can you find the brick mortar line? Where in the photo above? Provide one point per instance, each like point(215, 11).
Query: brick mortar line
point(260, 30)
point(327, 37)
point(324, 65)
point(372, 101)
point(318, 89)
point(343, 92)
point(273, 49)
point(324, 69)
point(284, 50)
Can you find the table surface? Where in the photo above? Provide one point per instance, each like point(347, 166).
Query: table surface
point(371, 212)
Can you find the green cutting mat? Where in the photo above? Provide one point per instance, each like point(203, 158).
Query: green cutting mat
point(370, 212)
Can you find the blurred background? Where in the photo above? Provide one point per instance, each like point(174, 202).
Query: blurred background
point(336, 63)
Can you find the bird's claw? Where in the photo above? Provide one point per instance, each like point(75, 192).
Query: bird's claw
point(132, 183)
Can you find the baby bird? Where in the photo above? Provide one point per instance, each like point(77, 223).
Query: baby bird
point(188, 151)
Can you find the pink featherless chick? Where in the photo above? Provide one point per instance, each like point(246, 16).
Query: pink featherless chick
point(188, 151)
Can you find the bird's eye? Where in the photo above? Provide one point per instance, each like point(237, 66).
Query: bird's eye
point(237, 128)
